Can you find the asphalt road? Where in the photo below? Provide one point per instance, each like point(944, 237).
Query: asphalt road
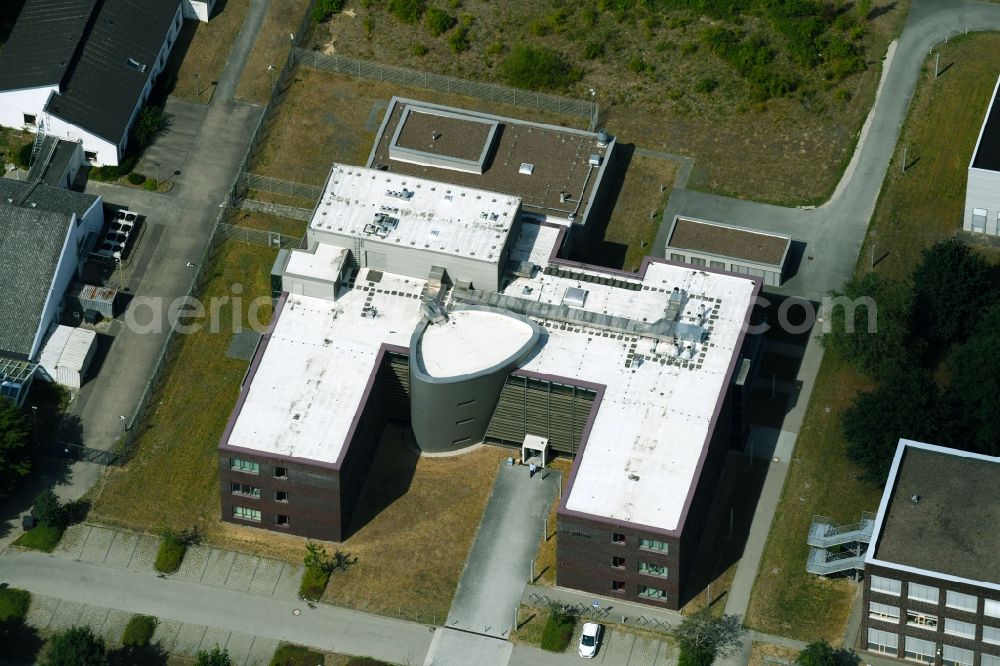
point(834, 232)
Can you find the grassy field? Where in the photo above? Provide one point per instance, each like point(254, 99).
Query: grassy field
point(181, 441)
point(925, 204)
point(545, 558)
point(326, 118)
point(265, 222)
point(915, 209)
point(413, 529)
point(208, 51)
point(658, 82)
point(271, 49)
point(759, 651)
point(11, 142)
point(631, 230)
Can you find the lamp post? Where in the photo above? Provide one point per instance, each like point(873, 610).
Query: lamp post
point(156, 165)
point(270, 68)
point(34, 426)
point(124, 430)
point(121, 275)
point(197, 84)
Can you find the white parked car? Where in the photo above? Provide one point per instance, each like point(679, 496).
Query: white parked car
point(590, 639)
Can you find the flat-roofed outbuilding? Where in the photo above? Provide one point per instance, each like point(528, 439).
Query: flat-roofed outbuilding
point(729, 248)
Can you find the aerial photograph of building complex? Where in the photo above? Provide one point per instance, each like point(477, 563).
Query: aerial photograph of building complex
point(470, 333)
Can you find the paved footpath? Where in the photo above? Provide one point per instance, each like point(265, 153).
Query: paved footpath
point(217, 609)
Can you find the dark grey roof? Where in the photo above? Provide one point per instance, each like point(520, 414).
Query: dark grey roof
point(988, 154)
point(44, 40)
point(45, 197)
point(53, 160)
point(101, 90)
point(31, 242)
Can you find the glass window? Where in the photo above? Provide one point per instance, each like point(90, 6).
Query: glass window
point(652, 592)
point(30, 119)
point(990, 634)
point(988, 660)
point(618, 562)
point(247, 466)
point(281, 521)
point(679, 258)
point(885, 585)
point(721, 265)
point(966, 602)
point(883, 612)
point(919, 592)
point(958, 628)
point(922, 620)
point(618, 537)
point(244, 513)
point(883, 641)
point(280, 496)
point(991, 608)
point(281, 472)
point(244, 489)
point(617, 586)
point(953, 656)
point(653, 544)
point(918, 649)
point(697, 261)
point(653, 569)
point(978, 219)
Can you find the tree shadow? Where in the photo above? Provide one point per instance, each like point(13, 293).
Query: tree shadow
point(21, 642)
point(130, 655)
point(881, 10)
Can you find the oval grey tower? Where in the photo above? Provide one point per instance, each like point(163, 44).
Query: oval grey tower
point(457, 369)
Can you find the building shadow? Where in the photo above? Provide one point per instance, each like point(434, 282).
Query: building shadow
point(796, 253)
point(21, 642)
point(595, 248)
point(389, 478)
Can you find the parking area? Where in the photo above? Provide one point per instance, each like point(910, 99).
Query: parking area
point(202, 564)
point(617, 648)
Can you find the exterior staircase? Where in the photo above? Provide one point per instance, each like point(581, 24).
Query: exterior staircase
point(849, 544)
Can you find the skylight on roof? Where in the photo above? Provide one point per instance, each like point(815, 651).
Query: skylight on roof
point(136, 65)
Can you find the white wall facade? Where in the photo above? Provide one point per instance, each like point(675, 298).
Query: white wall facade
point(14, 104)
point(982, 196)
point(199, 10)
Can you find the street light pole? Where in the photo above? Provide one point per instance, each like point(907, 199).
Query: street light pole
point(197, 85)
point(34, 427)
point(270, 68)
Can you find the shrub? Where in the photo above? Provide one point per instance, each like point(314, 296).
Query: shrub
point(313, 583)
point(419, 49)
point(325, 9)
point(14, 604)
point(407, 11)
point(458, 42)
point(48, 509)
point(706, 85)
point(296, 655)
point(537, 68)
point(152, 185)
point(15, 447)
point(173, 545)
point(495, 48)
point(368, 26)
point(438, 21)
point(213, 657)
point(23, 156)
point(558, 630)
point(139, 631)
point(76, 645)
point(593, 50)
point(42, 537)
point(136, 178)
point(149, 125)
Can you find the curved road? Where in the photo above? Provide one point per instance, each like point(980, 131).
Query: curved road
point(833, 233)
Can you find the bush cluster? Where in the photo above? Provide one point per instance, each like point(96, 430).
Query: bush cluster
point(558, 629)
point(537, 68)
point(173, 545)
point(325, 9)
point(139, 631)
point(136, 178)
point(13, 604)
point(438, 21)
point(407, 11)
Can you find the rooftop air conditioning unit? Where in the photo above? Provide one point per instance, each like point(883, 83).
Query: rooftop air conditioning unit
point(526, 169)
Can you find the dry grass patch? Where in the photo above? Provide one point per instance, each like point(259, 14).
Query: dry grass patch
point(264, 222)
point(208, 51)
point(413, 528)
point(925, 204)
point(325, 118)
point(760, 652)
point(545, 559)
point(786, 600)
point(172, 479)
point(283, 18)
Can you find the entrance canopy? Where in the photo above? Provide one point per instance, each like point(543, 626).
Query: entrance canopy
point(535, 449)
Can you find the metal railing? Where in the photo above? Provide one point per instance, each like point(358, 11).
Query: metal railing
point(822, 563)
point(280, 210)
point(491, 92)
point(824, 532)
point(275, 239)
point(256, 182)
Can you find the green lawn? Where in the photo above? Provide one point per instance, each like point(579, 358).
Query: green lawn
point(42, 537)
point(916, 209)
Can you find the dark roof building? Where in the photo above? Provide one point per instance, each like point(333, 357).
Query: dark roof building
point(81, 69)
point(932, 576)
point(45, 197)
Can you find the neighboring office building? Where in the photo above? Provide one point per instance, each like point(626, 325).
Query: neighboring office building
point(45, 233)
point(982, 193)
point(557, 172)
point(82, 69)
point(728, 248)
point(932, 576)
point(615, 369)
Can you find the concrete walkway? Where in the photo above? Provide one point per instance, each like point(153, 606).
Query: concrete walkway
point(320, 626)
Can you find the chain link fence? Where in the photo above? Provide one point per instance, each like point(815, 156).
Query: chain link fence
point(490, 92)
point(258, 183)
point(274, 239)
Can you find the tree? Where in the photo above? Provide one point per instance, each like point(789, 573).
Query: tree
point(817, 653)
point(319, 559)
point(214, 657)
point(76, 646)
point(537, 68)
point(15, 451)
point(325, 9)
point(150, 123)
point(866, 300)
point(905, 404)
point(973, 396)
point(49, 510)
point(951, 288)
point(702, 637)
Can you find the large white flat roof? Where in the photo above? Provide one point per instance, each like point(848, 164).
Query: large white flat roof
point(324, 262)
point(427, 215)
point(470, 341)
point(650, 429)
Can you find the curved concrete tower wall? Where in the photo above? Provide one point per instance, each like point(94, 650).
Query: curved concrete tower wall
point(458, 369)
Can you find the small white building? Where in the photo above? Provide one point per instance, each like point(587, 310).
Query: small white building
point(199, 10)
point(82, 70)
point(982, 193)
point(67, 355)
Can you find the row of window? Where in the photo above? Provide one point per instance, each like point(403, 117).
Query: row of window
point(887, 613)
point(918, 649)
point(644, 591)
point(247, 490)
point(251, 467)
point(931, 595)
point(253, 516)
point(646, 544)
point(644, 567)
point(696, 261)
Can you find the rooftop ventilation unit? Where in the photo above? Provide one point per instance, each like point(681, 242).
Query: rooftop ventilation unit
point(381, 226)
point(595, 160)
point(136, 65)
point(603, 138)
point(403, 194)
point(574, 297)
point(526, 169)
